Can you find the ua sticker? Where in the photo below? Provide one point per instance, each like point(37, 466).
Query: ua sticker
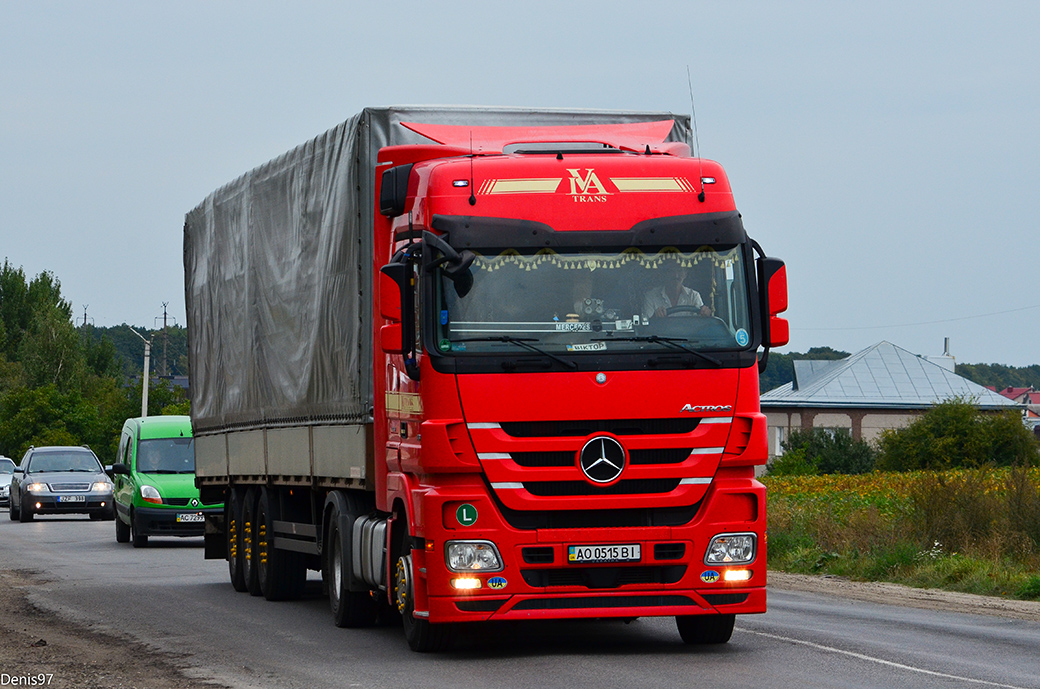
point(497, 583)
point(710, 576)
point(466, 514)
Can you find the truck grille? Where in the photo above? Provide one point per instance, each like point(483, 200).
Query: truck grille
point(580, 429)
point(535, 466)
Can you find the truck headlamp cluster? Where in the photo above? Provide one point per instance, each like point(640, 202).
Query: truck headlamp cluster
point(472, 556)
point(731, 549)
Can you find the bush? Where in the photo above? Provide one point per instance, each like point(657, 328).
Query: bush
point(823, 451)
point(956, 434)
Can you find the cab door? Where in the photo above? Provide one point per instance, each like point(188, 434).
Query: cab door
point(124, 485)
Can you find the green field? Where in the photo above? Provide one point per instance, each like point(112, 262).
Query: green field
point(976, 531)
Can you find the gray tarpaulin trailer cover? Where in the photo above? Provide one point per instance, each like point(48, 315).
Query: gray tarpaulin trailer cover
point(278, 273)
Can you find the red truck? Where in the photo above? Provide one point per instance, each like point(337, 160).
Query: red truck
point(486, 364)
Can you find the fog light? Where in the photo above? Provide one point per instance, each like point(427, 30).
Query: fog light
point(465, 584)
point(472, 556)
point(39, 505)
point(736, 549)
point(736, 575)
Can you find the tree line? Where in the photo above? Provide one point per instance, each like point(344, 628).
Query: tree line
point(780, 370)
point(62, 385)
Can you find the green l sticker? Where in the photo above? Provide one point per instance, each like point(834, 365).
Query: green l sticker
point(466, 514)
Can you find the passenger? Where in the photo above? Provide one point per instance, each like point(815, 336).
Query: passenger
point(672, 292)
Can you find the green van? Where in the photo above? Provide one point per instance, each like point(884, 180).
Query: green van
point(155, 493)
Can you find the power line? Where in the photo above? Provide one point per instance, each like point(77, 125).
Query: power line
point(910, 325)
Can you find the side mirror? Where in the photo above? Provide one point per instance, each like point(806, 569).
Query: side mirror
point(393, 191)
point(775, 273)
point(120, 468)
point(396, 304)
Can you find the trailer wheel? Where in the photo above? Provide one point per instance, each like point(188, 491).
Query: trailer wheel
point(282, 574)
point(422, 636)
point(122, 531)
point(247, 538)
point(349, 608)
point(705, 629)
point(233, 533)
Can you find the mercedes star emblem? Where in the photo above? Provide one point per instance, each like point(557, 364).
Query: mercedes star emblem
point(602, 459)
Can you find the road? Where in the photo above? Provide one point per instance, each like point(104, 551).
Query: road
point(168, 596)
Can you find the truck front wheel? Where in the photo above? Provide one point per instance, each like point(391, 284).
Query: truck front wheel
point(422, 636)
point(705, 629)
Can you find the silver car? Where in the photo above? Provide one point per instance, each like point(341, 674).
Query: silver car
point(6, 473)
point(60, 480)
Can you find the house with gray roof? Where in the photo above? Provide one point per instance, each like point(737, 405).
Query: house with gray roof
point(881, 387)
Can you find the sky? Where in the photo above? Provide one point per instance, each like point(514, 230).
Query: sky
point(889, 152)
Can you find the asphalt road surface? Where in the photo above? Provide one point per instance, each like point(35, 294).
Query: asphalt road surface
point(169, 597)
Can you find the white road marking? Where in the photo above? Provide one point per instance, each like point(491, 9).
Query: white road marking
point(879, 661)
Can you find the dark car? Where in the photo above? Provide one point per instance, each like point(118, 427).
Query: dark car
point(60, 480)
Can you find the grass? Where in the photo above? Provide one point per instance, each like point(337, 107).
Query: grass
point(975, 531)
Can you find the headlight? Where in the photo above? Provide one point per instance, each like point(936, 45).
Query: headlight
point(37, 488)
point(731, 549)
point(101, 487)
point(150, 494)
point(472, 556)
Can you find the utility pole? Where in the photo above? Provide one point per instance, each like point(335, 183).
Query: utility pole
point(166, 337)
point(147, 372)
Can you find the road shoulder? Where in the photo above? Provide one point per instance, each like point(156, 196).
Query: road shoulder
point(896, 594)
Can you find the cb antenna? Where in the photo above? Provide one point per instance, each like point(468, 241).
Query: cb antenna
point(696, 139)
point(472, 194)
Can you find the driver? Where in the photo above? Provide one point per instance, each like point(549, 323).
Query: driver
point(672, 292)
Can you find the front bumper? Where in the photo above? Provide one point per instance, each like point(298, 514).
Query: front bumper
point(173, 521)
point(67, 503)
point(538, 580)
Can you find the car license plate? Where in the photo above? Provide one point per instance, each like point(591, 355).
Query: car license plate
point(193, 517)
point(72, 498)
point(604, 553)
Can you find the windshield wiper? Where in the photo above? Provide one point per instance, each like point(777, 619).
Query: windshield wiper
point(524, 342)
point(673, 342)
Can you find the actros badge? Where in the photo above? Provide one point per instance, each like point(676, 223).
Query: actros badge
point(602, 459)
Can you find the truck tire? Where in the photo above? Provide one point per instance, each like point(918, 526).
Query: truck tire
point(140, 540)
point(248, 537)
point(422, 636)
point(122, 531)
point(233, 532)
point(705, 629)
point(350, 609)
point(282, 573)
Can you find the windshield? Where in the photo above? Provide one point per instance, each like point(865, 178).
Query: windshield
point(166, 456)
point(45, 462)
point(595, 302)
point(6, 466)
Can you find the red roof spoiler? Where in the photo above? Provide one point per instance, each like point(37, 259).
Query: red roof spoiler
point(635, 136)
